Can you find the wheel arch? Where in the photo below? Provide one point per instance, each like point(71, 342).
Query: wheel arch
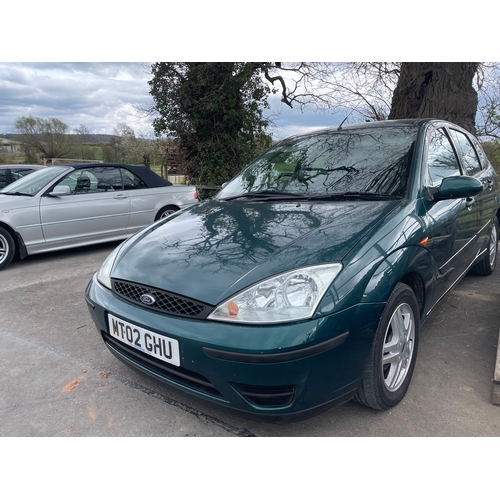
point(170, 206)
point(413, 266)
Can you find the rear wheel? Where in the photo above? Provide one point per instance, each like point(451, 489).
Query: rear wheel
point(487, 265)
point(7, 248)
point(166, 211)
point(391, 360)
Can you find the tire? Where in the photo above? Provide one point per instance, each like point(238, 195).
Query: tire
point(487, 264)
point(7, 248)
point(386, 378)
point(166, 211)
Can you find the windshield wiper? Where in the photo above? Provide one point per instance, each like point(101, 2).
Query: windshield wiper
point(16, 193)
point(355, 195)
point(266, 195)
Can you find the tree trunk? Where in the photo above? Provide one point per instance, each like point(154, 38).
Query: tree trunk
point(436, 90)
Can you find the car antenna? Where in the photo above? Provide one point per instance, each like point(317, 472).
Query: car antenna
point(340, 126)
point(343, 121)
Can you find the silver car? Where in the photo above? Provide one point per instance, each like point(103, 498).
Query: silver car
point(68, 206)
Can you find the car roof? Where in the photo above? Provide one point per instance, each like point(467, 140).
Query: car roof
point(150, 178)
point(21, 165)
point(409, 122)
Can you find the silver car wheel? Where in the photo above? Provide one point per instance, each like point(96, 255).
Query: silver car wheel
point(165, 214)
point(7, 248)
point(493, 245)
point(4, 248)
point(398, 347)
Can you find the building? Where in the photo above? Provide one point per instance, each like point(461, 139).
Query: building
point(9, 146)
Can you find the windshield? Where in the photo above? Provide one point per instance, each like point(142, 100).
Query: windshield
point(371, 160)
point(29, 185)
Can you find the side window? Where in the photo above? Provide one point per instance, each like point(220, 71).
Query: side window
point(480, 152)
point(93, 180)
point(469, 156)
point(441, 159)
point(3, 178)
point(131, 181)
point(108, 179)
point(17, 173)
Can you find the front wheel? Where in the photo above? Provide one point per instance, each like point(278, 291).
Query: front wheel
point(7, 248)
point(391, 360)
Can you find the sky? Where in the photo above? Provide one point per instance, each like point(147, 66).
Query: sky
point(101, 95)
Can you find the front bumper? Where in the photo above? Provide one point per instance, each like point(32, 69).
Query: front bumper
point(283, 372)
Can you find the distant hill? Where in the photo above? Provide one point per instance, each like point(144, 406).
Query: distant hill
point(90, 139)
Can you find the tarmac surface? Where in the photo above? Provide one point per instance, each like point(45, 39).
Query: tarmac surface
point(58, 379)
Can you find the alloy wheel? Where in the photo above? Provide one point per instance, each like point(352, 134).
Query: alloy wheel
point(493, 245)
point(398, 347)
point(4, 248)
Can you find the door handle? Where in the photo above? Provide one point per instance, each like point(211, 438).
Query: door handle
point(470, 201)
point(120, 196)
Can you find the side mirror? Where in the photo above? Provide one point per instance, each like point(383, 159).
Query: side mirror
point(460, 186)
point(60, 191)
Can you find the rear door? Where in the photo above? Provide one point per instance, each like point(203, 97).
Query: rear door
point(97, 209)
point(476, 165)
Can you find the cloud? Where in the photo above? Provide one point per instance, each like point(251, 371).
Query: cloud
point(97, 95)
point(100, 95)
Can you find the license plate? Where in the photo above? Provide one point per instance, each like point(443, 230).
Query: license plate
point(151, 343)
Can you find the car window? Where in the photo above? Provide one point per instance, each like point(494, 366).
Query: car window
point(441, 158)
point(3, 178)
point(131, 181)
point(469, 156)
point(93, 180)
point(374, 161)
point(480, 152)
point(17, 173)
point(36, 181)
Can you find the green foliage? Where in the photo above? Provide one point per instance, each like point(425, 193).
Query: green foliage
point(492, 150)
point(214, 110)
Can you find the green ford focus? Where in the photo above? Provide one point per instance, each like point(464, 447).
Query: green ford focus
point(304, 282)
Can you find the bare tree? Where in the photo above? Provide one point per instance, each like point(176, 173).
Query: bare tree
point(47, 136)
point(84, 135)
point(467, 93)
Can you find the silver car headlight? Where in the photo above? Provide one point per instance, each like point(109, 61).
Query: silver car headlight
point(289, 296)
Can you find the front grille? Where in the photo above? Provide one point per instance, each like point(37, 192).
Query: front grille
point(267, 396)
point(163, 370)
point(165, 302)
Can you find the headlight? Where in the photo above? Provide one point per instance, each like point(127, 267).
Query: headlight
point(289, 296)
point(104, 274)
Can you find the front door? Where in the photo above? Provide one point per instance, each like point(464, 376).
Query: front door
point(453, 223)
point(97, 209)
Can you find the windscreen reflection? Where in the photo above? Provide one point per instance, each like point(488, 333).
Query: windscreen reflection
point(31, 184)
point(367, 161)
